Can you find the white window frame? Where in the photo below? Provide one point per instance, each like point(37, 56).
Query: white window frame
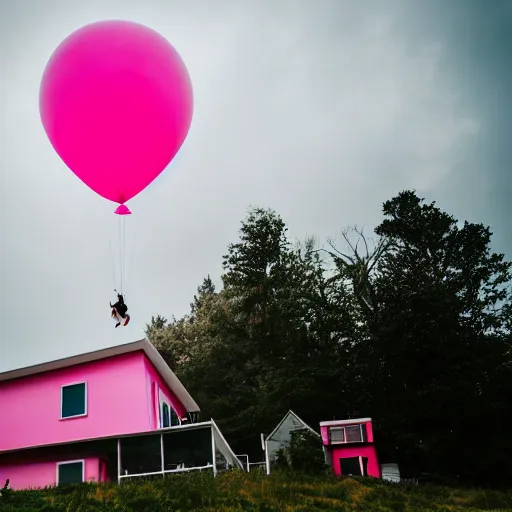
point(163, 399)
point(362, 466)
point(160, 415)
point(63, 463)
point(331, 441)
point(62, 400)
point(161, 410)
point(339, 427)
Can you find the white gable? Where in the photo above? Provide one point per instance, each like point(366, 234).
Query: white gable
point(281, 435)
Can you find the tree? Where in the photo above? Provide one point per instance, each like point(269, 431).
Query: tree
point(206, 289)
point(438, 335)
point(255, 270)
point(412, 329)
point(358, 268)
point(303, 453)
point(274, 338)
point(297, 323)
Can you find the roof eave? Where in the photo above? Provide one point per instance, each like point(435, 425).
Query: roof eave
point(144, 344)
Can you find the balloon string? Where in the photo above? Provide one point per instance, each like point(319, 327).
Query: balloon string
point(124, 252)
point(120, 255)
point(129, 248)
point(112, 261)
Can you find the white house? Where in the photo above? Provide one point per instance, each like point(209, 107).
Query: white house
point(280, 437)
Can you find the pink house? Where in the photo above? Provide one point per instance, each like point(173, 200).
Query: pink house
point(349, 447)
point(106, 415)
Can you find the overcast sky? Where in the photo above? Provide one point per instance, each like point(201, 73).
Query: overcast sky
point(320, 109)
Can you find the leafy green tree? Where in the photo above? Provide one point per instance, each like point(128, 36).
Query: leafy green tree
point(207, 289)
point(298, 323)
point(305, 452)
point(438, 333)
point(412, 329)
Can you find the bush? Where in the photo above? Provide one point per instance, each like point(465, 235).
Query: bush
point(303, 454)
point(235, 491)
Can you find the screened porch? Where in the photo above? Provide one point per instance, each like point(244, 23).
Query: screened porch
point(195, 447)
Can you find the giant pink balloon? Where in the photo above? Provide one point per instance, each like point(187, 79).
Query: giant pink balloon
point(116, 103)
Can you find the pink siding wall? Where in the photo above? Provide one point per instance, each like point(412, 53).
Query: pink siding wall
point(369, 431)
point(355, 451)
point(103, 472)
point(116, 403)
point(155, 386)
point(41, 474)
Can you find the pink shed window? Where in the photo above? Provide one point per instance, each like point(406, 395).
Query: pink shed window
point(347, 434)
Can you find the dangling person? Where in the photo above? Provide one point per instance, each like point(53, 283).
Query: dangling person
point(119, 310)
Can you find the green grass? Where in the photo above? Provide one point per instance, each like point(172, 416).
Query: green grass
point(254, 492)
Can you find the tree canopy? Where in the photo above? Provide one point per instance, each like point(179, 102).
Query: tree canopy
point(411, 328)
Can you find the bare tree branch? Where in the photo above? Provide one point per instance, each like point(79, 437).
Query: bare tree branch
point(360, 267)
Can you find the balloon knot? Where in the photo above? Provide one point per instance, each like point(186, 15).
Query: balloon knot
point(122, 209)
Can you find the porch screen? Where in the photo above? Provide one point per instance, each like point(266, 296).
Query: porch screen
point(141, 454)
point(190, 448)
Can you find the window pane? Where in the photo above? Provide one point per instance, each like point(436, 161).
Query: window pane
point(337, 435)
point(73, 400)
point(141, 454)
point(192, 448)
point(70, 473)
point(166, 422)
point(175, 420)
point(365, 432)
point(353, 434)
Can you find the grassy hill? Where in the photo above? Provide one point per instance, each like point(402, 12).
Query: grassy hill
point(236, 491)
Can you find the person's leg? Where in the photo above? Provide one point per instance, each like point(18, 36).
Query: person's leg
point(115, 316)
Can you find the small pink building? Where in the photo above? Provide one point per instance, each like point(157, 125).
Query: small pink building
point(349, 447)
point(106, 415)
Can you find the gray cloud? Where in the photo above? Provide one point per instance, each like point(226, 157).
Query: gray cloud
point(320, 110)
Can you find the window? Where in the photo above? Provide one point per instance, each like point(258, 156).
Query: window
point(175, 419)
point(194, 417)
point(337, 435)
point(73, 400)
point(348, 434)
point(354, 434)
point(71, 472)
point(168, 416)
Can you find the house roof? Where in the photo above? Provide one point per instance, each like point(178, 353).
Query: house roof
point(299, 420)
point(333, 423)
point(145, 345)
point(141, 433)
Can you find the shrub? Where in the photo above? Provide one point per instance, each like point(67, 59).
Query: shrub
point(305, 452)
point(235, 491)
